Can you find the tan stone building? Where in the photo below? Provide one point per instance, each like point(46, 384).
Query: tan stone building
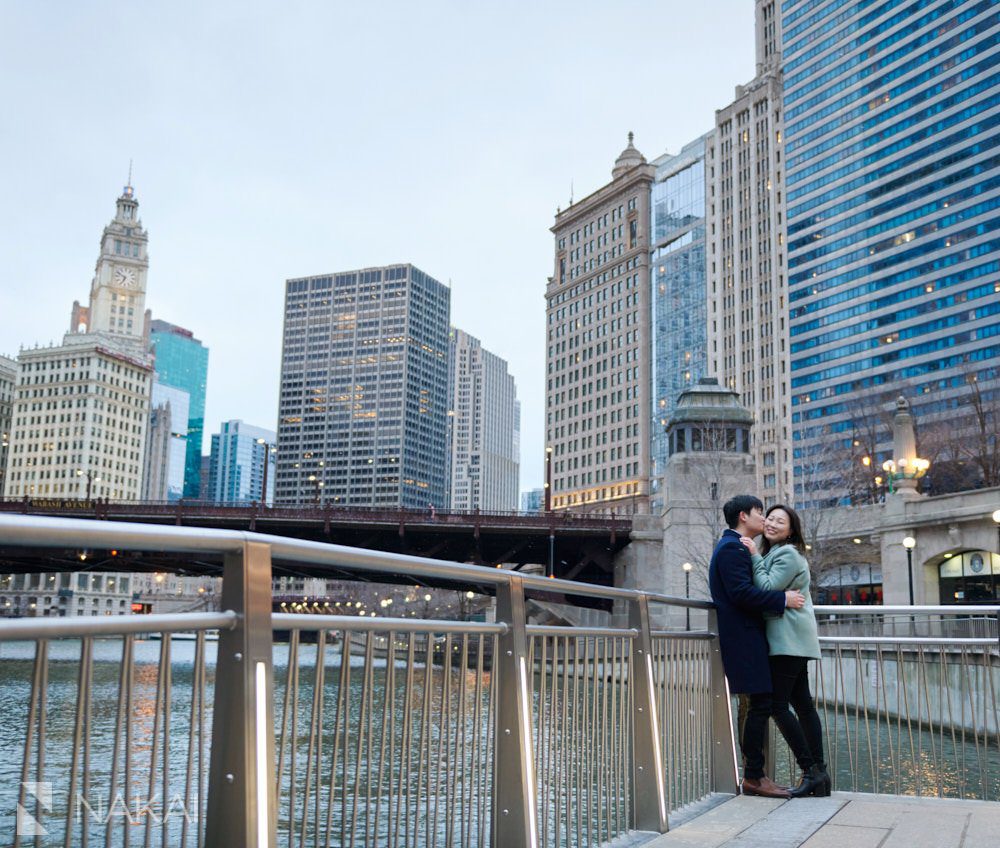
point(597, 414)
point(81, 409)
point(747, 280)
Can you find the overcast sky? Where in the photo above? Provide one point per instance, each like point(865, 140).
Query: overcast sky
point(274, 140)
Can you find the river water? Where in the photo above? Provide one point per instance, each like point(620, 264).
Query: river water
point(863, 756)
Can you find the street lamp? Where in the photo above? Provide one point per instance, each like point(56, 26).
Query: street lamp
point(268, 450)
point(687, 592)
point(91, 478)
point(909, 543)
point(548, 479)
point(319, 487)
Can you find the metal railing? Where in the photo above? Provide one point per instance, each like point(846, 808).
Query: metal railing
point(875, 621)
point(359, 731)
point(907, 706)
point(190, 507)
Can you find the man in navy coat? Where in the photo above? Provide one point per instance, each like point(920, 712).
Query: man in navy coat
point(742, 637)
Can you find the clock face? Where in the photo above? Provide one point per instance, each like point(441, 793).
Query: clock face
point(125, 277)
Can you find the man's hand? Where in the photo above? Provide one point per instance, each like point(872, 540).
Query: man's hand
point(749, 544)
point(794, 599)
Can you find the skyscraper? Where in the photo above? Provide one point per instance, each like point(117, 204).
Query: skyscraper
point(81, 409)
point(181, 362)
point(597, 394)
point(166, 444)
point(364, 389)
point(677, 269)
point(483, 428)
point(748, 300)
point(241, 466)
point(890, 148)
point(8, 382)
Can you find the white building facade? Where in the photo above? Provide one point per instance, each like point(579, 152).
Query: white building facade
point(746, 260)
point(483, 427)
point(81, 409)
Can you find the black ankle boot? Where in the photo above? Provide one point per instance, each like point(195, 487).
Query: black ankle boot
point(807, 785)
point(815, 782)
point(820, 780)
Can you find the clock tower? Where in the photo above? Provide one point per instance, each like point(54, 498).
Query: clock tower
point(118, 290)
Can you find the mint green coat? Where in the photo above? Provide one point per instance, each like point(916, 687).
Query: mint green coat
point(794, 633)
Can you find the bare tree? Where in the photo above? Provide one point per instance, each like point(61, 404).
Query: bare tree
point(982, 445)
point(828, 467)
point(964, 447)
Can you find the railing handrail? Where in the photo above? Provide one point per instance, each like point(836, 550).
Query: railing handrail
point(900, 609)
point(114, 625)
point(76, 533)
point(910, 640)
point(305, 621)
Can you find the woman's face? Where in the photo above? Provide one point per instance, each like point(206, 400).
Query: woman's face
point(777, 526)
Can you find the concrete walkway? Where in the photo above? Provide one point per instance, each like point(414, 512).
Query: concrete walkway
point(844, 820)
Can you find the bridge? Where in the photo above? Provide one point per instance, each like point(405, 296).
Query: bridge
point(562, 544)
point(421, 732)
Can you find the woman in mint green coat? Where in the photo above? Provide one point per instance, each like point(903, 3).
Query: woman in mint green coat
point(792, 642)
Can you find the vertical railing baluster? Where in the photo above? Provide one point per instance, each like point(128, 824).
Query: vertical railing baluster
point(167, 705)
point(241, 800)
point(199, 659)
point(286, 711)
point(514, 816)
point(81, 721)
point(724, 774)
point(649, 775)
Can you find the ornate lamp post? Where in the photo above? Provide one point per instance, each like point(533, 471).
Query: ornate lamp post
point(905, 468)
point(687, 592)
point(909, 543)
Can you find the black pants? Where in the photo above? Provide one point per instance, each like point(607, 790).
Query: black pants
point(802, 731)
point(754, 734)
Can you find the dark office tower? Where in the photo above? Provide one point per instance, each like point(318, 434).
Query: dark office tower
point(364, 389)
point(891, 152)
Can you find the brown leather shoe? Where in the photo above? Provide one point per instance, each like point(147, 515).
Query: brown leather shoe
point(764, 788)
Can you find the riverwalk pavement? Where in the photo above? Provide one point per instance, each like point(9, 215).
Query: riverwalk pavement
point(844, 820)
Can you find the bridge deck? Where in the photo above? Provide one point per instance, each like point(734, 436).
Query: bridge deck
point(844, 820)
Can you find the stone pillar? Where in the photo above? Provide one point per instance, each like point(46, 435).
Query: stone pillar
point(904, 449)
point(639, 566)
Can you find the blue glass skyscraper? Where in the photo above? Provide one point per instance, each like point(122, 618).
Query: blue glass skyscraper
point(891, 151)
point(677, 270)
point(241, 467)
point(182, 363)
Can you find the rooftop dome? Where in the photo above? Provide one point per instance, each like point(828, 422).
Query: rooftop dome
point(629, 158)
point(708, 402)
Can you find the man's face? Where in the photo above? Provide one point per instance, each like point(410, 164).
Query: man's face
point(754, 521)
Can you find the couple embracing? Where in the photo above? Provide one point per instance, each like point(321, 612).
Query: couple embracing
point(767, 633)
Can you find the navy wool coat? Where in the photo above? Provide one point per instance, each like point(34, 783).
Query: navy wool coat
point(740, 605)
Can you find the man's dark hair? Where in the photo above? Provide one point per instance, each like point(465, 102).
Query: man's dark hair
point(741, 503)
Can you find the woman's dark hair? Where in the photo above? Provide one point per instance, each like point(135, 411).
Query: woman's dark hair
point(795, 538)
